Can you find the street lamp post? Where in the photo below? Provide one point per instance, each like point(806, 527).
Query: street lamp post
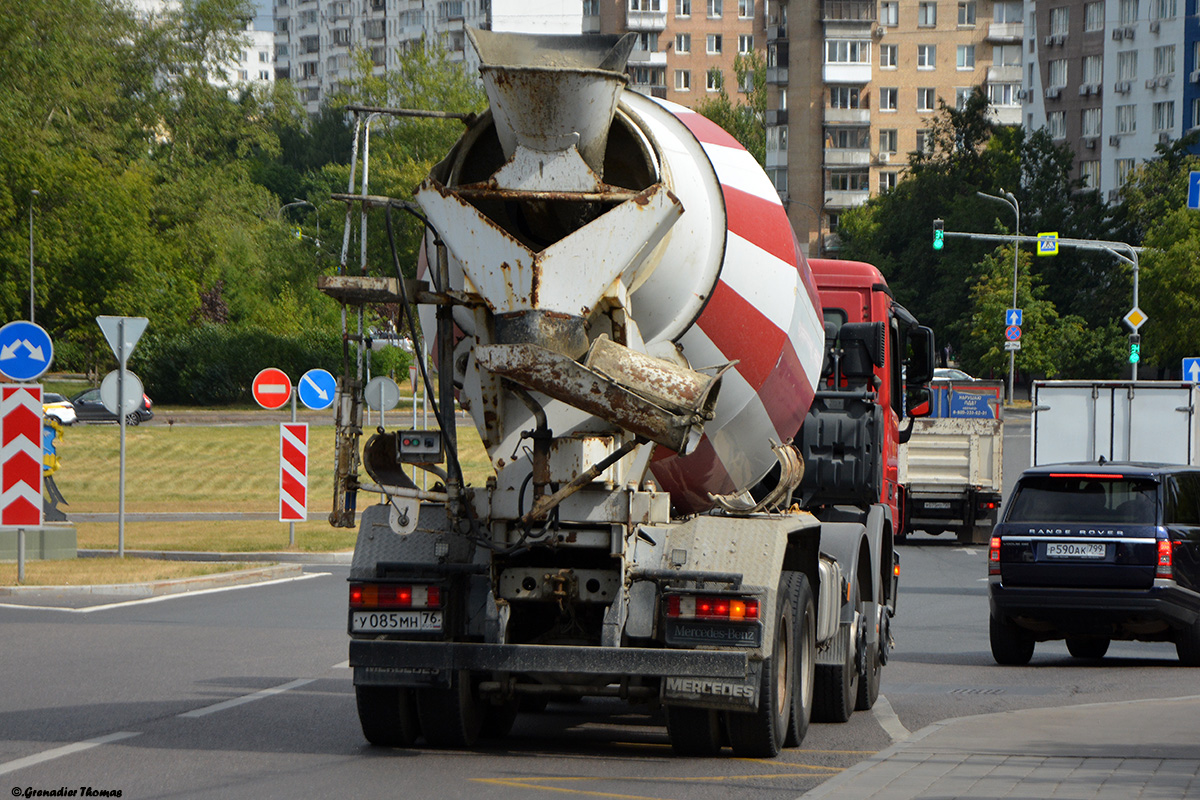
point(33, 193)
point(1010, 200)
point(310, 205)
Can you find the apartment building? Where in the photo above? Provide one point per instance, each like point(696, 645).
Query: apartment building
point(1112, 79)
point(315, 39)
point(854, 84)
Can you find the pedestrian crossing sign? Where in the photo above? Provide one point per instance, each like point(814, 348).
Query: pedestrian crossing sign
point(1047, 244)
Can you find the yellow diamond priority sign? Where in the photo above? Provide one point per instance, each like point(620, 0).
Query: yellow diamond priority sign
point(1135, 318)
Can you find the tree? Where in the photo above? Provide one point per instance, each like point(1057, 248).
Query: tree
point(746, 121)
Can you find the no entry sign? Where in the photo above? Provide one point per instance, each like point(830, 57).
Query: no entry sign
point(21, 470)
point(293, 471)
point(272, 388)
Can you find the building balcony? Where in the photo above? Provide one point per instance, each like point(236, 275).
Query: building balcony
point(777, 116)
point(860, 116)
point(846, 157)
point(848, 11)
point(1005, 74)
point(776, 32)
point(777, 76)
point(643, 58)
point(777, 159)
point(649, 90)
point(1005, 32)
point(591, 24)
point(859, 74)
point(646, 21)
point(845, 199)
point(1005, 115)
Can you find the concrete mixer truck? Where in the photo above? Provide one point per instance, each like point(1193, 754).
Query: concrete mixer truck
point(692, 431)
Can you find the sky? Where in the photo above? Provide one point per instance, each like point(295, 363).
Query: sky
point(262, 20)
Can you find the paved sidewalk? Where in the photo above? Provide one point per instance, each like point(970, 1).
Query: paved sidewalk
point(1134, 749)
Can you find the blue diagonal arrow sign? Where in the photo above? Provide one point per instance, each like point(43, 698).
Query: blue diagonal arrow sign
point(316, 389)
point(25, 350)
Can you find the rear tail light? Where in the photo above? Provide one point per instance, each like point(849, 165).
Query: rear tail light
point(395, 595)
point(1164, 567)
point(994, 556)
point(712, 608)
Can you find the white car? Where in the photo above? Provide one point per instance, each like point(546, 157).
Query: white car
point(951, 374)
point(60, 408)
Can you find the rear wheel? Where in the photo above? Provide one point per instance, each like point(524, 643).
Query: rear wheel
point(805, 661)
point(451, 717)
point(1087, 647)
point(388, 715)
point(761, 733)
point(133, 419)
point(1011, 646)
point(868, 681)
point(836, 689)
point(694, 731)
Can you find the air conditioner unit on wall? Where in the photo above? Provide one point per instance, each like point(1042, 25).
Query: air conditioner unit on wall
point(880, 31)
point(1114, 141)
point(1154, 26)
point(1128, 33)
point(1084, 90)
point(1090, 143)
point(1164, 137)
point(1194, 76)
point(1118, 34)
point(1022, 94)
point(884, 158)
point(1122, 87)
point(1053, 94)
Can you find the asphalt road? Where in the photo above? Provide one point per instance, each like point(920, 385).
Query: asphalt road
point(244, 692)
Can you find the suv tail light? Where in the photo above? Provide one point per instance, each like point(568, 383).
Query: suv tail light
point(994, 556)
point(711, 608)
point(1165, 567)
point(395, 595)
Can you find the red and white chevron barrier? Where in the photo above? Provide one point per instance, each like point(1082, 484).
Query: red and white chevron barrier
point(21, 456)
point(293, 471)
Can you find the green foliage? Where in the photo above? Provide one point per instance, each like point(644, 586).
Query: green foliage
point(215, 365)
point(391, 361)
point(745, 121)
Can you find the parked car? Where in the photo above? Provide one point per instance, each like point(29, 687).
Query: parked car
point(60, 408)
point(1095, 552)
point(951, 374)
point(89, 408)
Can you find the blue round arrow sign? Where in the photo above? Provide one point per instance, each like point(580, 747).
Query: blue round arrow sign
point(317, 389)
point(25, 350)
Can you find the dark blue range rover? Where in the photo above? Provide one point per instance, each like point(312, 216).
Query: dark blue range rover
point(1095, 552)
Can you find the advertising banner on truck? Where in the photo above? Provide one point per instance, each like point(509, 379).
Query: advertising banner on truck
point(966, 400)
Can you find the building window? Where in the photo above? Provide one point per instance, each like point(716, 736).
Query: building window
point(888, 138)
point(1127, 65)
point(961, 95)
point(844, 97)
point(683, 43)
point(1163, 9)
point(591, 8)
point(888, 181)
point(926, 15)
point(645, 43)
point(1089, 122)
point(777, 137)
point(889, 56)
point(712, 80)
point(714, 9)
point(889, 12)
point(281, 51)
point(1127, 119)
point(887, 98)
point(779, 179)
point(1163, 115)
point(926, 97)
point(1060, 21)
point(683, 80)
point(712, 44)
point(1056, 124)
point(745, 43)
point(1004, 94)
point(845, 138)
point(264, 57)
point(1093, 69)
point(341, 36)
point(1056, 73)
point(966, 56)
point(1089, 171)
point(683, 8)
point(1007, 11)
point(1124, 167)
point(308, 69)
point(1164, 60)
point(645, 5)
point(926, 56)
point(1006, 55)
point(1196, 113)
point(1093, 20)
point(1127, 11)
point(924, 141)
point(846, 51)
point(850, 181)
point(745, 9)
point(264, 74)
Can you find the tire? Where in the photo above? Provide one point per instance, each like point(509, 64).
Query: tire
point(498, 719)
point(1187, 645)
point(694, 731)
point(1090, 647)
point(805, 662)
point(388, 715)
point(836, 685)
point(133, 420)
point(451, 717)
point(872, 667)
point(1011, 646)
point(761, 733)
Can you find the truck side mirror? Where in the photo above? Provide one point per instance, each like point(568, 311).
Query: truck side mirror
point(919, 403)
point(920, 355)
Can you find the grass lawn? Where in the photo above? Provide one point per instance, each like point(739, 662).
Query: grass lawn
point(104, 571)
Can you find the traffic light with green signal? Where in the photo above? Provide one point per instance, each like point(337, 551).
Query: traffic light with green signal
point(1135, 348)
point(939, 234)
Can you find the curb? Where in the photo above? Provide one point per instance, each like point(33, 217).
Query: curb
point(337, 557)
point(165, 587)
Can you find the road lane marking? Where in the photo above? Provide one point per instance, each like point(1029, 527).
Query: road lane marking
point(65, 750)
point(249, 698)
point(885, 715)
point(158, 598)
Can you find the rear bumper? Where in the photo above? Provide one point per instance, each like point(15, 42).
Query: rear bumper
point(1118, 613)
